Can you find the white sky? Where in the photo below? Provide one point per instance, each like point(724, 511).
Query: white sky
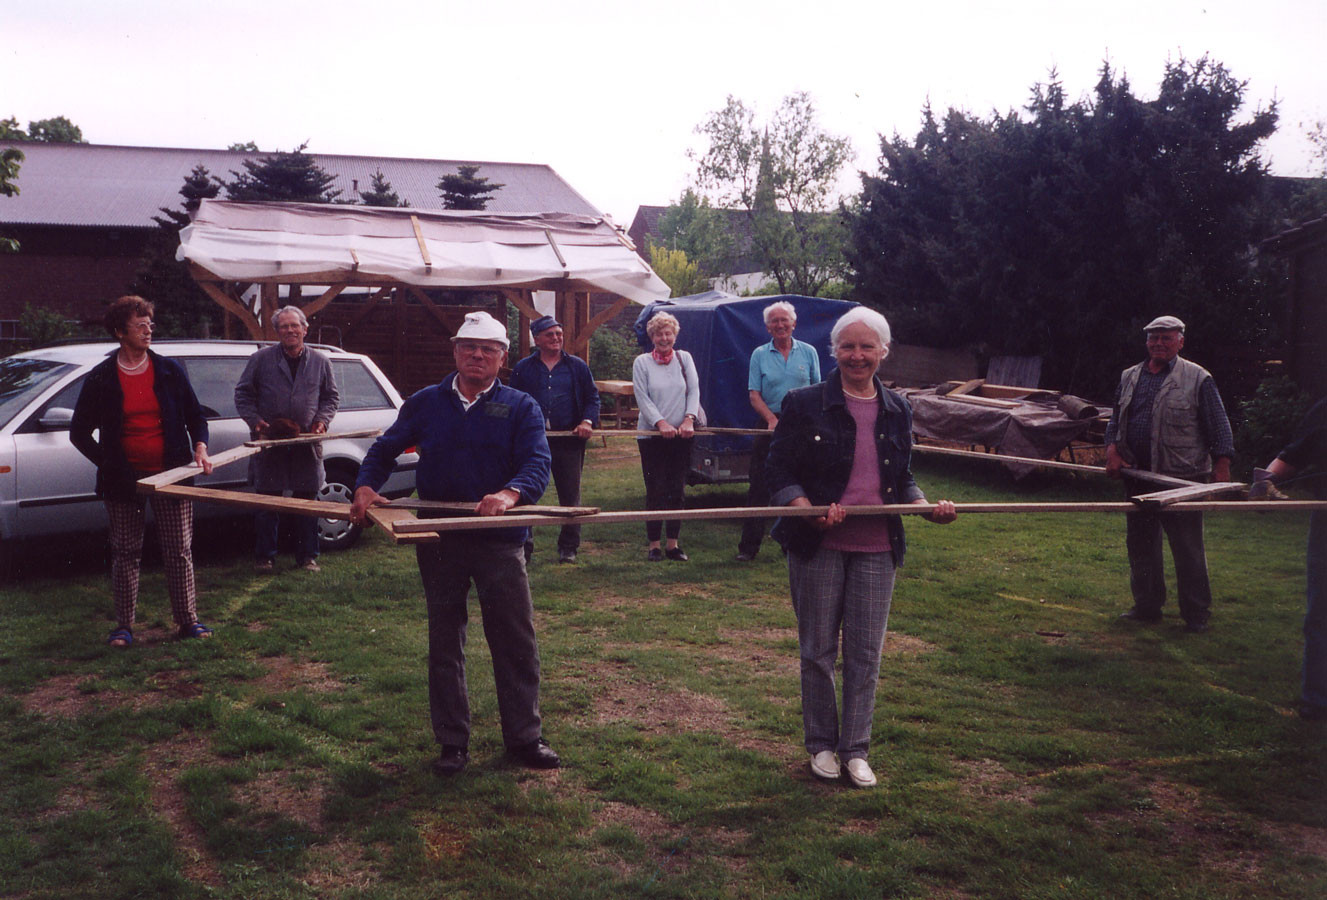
point(609, 93)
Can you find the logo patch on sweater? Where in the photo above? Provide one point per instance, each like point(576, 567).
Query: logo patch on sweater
point(497, 410)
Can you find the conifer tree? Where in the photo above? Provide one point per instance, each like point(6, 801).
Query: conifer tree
point(466, 190)
point(293, 176)
point(381, 193)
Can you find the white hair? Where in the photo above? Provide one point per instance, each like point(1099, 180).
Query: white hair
point(289, 311)
point(865, 316)
point(782, 305)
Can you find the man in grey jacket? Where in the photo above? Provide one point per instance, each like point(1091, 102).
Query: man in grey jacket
point(1168, 418)
point(287, 381)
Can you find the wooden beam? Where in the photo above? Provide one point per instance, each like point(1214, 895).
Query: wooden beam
point(460, 507)
point(1151, 477)
point(327, 297)
point(482, 523)
point(265, 443)
point(385, 518)
point(154, 483)
point(1158, 499)
point(322, 509)
point(975, 400)
point(423, 247)
point(433, 308)
point(962, 387)
point(270, 294)
point(228, 303)
point(522, 302)
point(557, 251)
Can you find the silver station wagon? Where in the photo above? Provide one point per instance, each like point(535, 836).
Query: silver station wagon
point(46, 486)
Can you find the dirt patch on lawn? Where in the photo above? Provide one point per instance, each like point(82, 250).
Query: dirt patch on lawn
point(341, 865)
point(285, 674)
point(72, 696)
point(442, 840)
point(162, 764)
point(672, 848)
point(986, 779)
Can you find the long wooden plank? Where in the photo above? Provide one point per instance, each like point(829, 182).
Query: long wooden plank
point(480, 523)
point(463, 508)
point(265, 443)
point(384, 517)
point(1140, 475)
point(977, 400)
point(1158, 499)
point(323, 509)
point(156, 482)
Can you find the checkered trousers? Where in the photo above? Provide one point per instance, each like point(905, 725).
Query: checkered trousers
point(840, 593)
point(175, 533)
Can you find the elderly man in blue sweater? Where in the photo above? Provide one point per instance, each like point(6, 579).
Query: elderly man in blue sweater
point(482, 442)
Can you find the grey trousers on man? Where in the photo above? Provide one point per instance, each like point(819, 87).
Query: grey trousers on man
point(837, 592)
point(568, 460)
point(1147, 578)
point(497, 570)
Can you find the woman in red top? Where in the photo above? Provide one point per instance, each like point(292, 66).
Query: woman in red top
point(147, 420)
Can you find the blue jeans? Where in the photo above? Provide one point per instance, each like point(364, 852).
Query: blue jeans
point(837, 592)
point(305, 528)
point(1314, 692)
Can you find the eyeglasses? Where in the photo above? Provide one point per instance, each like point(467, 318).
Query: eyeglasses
point(145, 327)
point(465, 348)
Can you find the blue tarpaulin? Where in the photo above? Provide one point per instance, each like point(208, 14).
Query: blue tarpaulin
point(720, 331)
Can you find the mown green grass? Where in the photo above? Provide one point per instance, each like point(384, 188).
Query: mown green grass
point(1029, 744)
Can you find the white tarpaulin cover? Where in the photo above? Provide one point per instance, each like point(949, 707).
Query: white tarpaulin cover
point(240, 241)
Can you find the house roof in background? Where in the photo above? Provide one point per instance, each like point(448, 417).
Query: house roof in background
point(124, 187)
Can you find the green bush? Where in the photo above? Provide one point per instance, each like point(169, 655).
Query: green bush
point(1269, 420)
point(611, 354)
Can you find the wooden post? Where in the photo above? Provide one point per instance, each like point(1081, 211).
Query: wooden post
point(270, 295)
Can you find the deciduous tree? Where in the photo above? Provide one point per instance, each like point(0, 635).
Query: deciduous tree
point(784, 175)
point(681, 275)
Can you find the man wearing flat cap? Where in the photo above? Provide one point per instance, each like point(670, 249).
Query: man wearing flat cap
point(564, 388)
point(483, 443)
point(1168, 418)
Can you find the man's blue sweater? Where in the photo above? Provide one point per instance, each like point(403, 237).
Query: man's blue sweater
point(466, 454)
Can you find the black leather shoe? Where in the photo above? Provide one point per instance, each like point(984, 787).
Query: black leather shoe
point(567, 556)
point(675, 554)
point(451, 760)
point(1197, 627)
point(655, 555)
point(1137, 615)
point(536, 755)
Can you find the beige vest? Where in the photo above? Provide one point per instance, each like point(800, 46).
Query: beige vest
point(1179, 447)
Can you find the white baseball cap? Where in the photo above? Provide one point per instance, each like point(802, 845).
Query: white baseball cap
point(480, 326)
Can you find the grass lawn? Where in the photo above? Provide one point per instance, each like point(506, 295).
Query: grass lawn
point(1029, 745)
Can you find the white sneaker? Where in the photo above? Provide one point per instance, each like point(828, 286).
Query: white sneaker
point(824, 766)
point(860, 774)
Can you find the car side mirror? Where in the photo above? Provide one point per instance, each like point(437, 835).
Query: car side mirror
point(57, 418)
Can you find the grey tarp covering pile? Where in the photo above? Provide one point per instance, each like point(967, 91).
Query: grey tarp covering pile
point(289, 242)
point(1036, 428)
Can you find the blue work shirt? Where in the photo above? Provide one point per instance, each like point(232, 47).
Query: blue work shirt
point(566, 393)
point(773, 376)
point(465, 455)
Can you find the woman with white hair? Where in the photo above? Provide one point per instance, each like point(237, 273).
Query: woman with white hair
point(668, 396)
point(844, 442)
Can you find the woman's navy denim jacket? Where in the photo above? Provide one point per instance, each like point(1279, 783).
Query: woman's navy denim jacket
point(811, 456)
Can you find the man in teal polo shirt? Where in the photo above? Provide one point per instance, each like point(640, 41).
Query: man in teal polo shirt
point(782, 365)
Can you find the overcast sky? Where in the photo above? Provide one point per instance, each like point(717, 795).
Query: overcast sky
point(609, 93)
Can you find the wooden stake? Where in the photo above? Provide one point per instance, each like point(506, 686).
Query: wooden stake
point(1152, 477)
point(1159, 499)
point(461, 507)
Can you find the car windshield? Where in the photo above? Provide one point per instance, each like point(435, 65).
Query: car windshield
point(23, 379)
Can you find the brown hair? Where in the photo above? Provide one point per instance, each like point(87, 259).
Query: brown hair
point(122, 310)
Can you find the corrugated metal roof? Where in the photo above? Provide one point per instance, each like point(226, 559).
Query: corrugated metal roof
point(124, 187)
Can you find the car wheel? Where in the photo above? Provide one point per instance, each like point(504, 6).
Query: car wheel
point(338, 534)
